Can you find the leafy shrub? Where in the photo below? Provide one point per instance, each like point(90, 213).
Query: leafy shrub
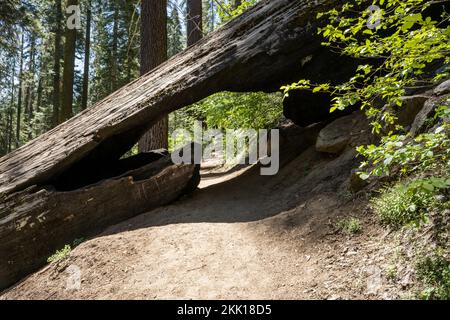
point(253, 110)
point(400, 154)
point(229, 110)
point(434, 271)
point(349, 225)
point(405, 41)
point(392, 272)
point(60, 254)
point(228, 11)
point(406, 204)
point(65, 252)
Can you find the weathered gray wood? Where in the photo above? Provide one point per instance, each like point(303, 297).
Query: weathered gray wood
point(36, 222)
point(260, 50)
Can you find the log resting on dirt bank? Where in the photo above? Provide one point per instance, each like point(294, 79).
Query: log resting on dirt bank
point(36, 222)
point(260, 50)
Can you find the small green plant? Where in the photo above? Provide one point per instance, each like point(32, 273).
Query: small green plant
point(228, 10)
point(404, 204)
point(349, 225)
point(65, 252)
point(434, 271)
point(346, 195)
point(391, 272)
point(60, 254)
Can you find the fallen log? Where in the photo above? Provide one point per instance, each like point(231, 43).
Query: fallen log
point(37, 221)
point(61, 185)
point(260, 50)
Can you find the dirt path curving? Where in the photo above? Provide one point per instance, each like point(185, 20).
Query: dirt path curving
point(241, 235)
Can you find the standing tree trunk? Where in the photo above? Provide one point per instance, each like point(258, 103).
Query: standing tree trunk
point(129, 20)
point(194, 21)
point(43, 73)
point(19, 99)
point(114, 56)
point(57, 65)
point(153, 53)
point(30, 85)
point(11, 107)
point(213, 15)
point(69, 70)
point(39, 89)
point(87, 56)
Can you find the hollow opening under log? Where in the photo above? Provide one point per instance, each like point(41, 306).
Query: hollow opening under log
point(107, 160)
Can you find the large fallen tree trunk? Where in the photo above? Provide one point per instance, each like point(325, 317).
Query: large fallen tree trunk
point(44, 189)
point(39, 221)
point(260, 50)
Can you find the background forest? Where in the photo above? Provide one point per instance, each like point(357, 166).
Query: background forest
point(38, 61)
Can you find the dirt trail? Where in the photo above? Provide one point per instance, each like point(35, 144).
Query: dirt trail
point(241, 235)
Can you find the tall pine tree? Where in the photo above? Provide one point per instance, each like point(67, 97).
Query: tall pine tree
point(194, 21)
point(153, 53)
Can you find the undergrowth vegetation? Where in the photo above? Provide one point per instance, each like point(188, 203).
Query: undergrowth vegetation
point(63, 253)
point(349, 226)
point(229, 110)
point(60, 254)
point(402, 49)
point(434, 271)
point(405, 205)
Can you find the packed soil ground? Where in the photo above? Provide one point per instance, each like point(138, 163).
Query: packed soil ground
point(240, 235)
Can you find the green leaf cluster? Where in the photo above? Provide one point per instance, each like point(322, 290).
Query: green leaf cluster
point(406, 44)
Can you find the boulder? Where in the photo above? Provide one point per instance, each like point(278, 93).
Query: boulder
point(335, 137)
point(410, 108)
point(443, 88)
point(421, 122)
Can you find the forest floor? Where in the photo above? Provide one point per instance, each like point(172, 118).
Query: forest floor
point(240, 235)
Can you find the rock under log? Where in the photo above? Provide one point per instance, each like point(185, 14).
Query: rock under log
point(37, 221)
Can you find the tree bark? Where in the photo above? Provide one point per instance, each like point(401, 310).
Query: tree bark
point(69, 71)
point(42, 75)
point(57, 65)
point(153, 53)
point(250, 53)
point(19, 99)
point(194, 21)
point(87, 57)
point(31, 85)
point(130, 16)
point(114, 56)
point(237, 3)
point(28, 100)
point(11, 107)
